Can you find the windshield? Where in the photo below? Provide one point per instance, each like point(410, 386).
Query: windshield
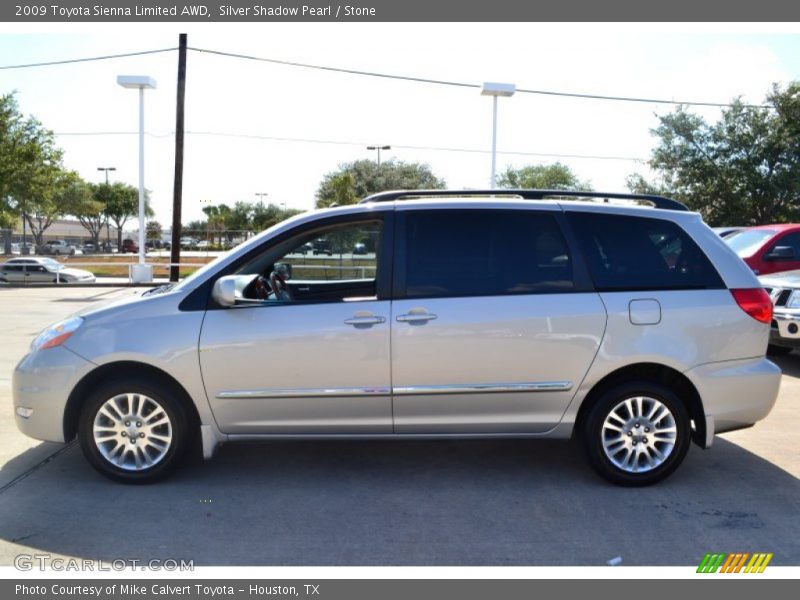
point(745, 243)
point(51, 264)
point(202, 270)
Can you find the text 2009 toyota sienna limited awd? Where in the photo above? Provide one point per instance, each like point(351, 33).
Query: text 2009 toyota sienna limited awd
point(530, 314)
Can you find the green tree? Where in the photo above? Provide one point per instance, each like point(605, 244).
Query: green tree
point(556, 176)
point(356, 180)
point(121, 204)
point(81, 203)
point(264, 217)
point(29, 164)
point(154, 230)
point(743, 169)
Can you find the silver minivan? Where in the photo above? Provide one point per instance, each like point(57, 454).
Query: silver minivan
point(519, 314)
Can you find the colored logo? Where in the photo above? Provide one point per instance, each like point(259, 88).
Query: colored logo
point(735, 562)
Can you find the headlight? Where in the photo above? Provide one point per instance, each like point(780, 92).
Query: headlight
point(794, 300)
point(56, 334)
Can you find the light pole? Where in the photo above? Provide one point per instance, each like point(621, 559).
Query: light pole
point(261, 196)
point(495, 90)
point(108, 232)
point(141, 83)
point(106, 169)
point(379, 148)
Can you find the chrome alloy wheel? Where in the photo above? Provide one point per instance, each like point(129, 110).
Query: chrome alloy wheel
point(639, 434)
point(132, 431)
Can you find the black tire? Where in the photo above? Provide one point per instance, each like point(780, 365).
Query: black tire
point(165, 398)
point(593, 434)
point(774, 350)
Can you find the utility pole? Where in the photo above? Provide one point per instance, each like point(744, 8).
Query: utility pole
point(177, 195)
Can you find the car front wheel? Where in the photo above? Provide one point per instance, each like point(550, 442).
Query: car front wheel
point(132, 431)
point(637, 434)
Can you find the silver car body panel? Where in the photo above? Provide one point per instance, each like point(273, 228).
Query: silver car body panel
point(499, 366)
point(298, 344)
point(518, 340)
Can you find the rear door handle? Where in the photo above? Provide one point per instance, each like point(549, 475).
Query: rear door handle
point(364, 320)
point(414, 317)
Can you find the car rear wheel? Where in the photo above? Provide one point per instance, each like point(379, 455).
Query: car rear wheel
point(637, 434)
point(132, 431)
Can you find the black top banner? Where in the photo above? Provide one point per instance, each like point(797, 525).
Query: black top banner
point(245, 11)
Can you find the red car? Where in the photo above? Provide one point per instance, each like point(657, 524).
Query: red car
point(768, 248)
point(129, 246)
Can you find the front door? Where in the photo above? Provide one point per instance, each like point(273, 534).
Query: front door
point(491, 333)
point(307, 350)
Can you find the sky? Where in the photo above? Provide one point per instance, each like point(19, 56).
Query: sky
point(233, 106)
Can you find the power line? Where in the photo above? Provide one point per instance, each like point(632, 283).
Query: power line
point(410, 78)
point(252, 136)
point(289, 63)
point(87, 59)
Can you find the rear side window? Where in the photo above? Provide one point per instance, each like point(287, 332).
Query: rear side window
point(638, 253)
point(485, 253)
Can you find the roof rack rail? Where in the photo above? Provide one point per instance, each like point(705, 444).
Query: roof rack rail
point(657, 201)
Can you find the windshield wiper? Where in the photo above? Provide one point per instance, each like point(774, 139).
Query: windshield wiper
point(159, 290)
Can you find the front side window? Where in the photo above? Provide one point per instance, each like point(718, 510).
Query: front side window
point(638, 253)
point(332, 264)
point(484, 253)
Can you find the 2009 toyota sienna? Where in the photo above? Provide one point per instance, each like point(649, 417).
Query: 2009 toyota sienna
point(521, 313)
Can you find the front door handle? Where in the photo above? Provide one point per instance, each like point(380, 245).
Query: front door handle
point(413, 317)
point(357, 320)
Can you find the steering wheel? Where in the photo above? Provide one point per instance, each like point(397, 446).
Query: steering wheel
point(262, 288)
point(277, 281)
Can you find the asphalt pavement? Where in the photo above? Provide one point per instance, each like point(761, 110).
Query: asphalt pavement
point(393, 502)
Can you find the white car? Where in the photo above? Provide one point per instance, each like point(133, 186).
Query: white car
point(41, 270)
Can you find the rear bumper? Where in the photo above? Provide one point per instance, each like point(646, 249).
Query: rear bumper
point(41, 385)
point(735, 393)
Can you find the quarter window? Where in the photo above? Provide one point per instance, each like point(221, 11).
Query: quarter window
point(485, 253)
point(639, 253)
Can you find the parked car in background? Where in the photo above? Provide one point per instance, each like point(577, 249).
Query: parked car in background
point(629, 328)
point(188, 243)
point(322, 246)
point(784, 290)
point(89, 248)
point(41, 270)
point(768, 248)
point(129, 246)
point(360, 248)
point(724, 232)
point(57, 248)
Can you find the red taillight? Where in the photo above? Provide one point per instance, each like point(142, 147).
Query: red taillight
point(755, 302)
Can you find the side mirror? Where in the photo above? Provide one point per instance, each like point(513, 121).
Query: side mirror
point(780, 253)
point(224, 291)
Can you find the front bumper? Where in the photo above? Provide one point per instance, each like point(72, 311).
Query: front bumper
point(736, 393)
point(41, 385)
point(785, 329)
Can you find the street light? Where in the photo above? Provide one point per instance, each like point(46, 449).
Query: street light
point(141, 83)
point(506, 90)
point(106, 169)
point(108, 232)
point(261, 197)
point(379, 148)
